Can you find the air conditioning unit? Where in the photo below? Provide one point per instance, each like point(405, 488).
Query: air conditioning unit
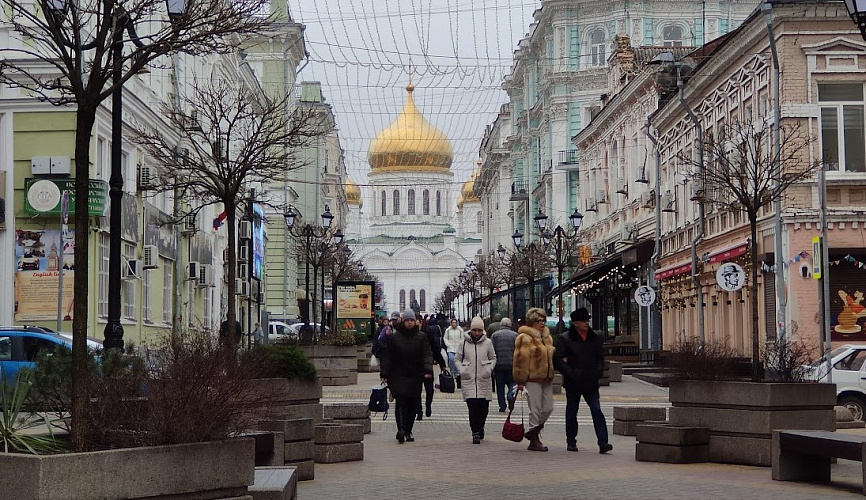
point(150, 257)
point(602, 196)
point(146, 177)
point(243, 253)
point(244, 230)
point(591, 205)
point(622, 187)
point(205, 275)
point(696, 190)
point(243, 271)
point(131, 270)
point(242, 287)
point(627, 232)
point(192, 271)
point(648, 200)
point(669, 202)
point(189, 224)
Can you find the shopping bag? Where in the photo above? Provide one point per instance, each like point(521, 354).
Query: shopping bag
point(512, 431)
point(379, 400)
point(446, 382)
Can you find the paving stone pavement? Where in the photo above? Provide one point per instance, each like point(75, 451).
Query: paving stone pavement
point(443, 464)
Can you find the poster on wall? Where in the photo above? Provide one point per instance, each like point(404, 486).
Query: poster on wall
point(847, 289)
point(355, 306)
point(40, 256)
point(258, 242)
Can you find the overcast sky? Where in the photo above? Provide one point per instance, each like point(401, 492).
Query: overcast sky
point(360, 51)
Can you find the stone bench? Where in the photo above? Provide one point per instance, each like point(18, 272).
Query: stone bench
point(615, 371)
point(274, 483)
point(336, 443)
point(627, 418)
point(806, 455)
point(348, 413)
point(673, 445)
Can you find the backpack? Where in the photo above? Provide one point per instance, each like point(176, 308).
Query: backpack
point(379, 400)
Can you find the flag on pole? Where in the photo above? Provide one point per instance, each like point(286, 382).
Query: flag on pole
point(219, 220)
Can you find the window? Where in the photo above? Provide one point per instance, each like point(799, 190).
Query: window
point(426, 202)
point(597, 48)
point(208, 308)
point(672, 36)
point(411, 297)
point(422, 298)
point(479, 222)
point(396, 202)
point(853, 362)
point(410, 203)
point(32, 346)
point(146, 303)
point(384, 202)
point(129, 284)
point(167, 286)
point(5, 348)
point(402, 300)
point(438, 203)
point(843, 142)
point(103, 275)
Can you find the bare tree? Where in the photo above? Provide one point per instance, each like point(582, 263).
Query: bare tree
point(71, 53)
point(738, 175)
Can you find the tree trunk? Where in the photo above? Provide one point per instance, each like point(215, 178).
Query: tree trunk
point(85, 118)
point(231, 312)
point(753, 296)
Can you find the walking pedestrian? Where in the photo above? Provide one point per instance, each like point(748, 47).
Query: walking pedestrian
point(406, 361)
point(434, 337)
point(503, 343)
point(258, 333)
point(533, 371)
point(476, 359)
point(453, 338)
point(580, 359)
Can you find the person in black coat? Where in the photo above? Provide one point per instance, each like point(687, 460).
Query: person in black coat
point(580, 358)
point(434, 337)
point(405, 363)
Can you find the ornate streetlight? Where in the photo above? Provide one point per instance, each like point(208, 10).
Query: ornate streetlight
point(576, 219)
point(857, 11)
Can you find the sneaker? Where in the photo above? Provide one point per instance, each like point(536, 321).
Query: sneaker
point(400, 437)
point(410, 438)
point(571, 447)
point(604, 448)
point(476, 439)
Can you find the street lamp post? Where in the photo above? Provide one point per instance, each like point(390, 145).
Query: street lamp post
point(576, 219)
point(309, 232)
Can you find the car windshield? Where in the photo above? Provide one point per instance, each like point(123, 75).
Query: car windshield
point(823, 359)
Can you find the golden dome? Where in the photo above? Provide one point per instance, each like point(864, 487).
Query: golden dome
point(467, 194)
point(410, 143)
point(353, 193)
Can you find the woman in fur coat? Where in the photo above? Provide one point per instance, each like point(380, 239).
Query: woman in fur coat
point(533, 371)
point(476, 359)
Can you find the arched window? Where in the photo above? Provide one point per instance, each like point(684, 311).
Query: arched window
point(425, 201)
point(411, 297)
point(672, 36)
point(597, 48)
point(384, 202)
point(396, 202)
point(479, 222)
point(402, 300)
point(438, 203)
point(410, 203)
point(422, 298)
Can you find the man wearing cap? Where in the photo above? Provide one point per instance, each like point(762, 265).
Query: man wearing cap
point(406, 362)
point(580, 358)
point(503, 343)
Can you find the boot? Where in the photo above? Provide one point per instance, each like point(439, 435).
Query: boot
point(476, 438)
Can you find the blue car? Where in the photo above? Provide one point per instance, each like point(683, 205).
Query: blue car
point(19, 346)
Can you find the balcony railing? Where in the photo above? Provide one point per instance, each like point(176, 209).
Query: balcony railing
point(519, 191)
point(568, 157)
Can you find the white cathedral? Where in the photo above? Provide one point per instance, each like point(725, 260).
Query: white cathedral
point(409, 236)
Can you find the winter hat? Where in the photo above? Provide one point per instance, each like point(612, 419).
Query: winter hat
point(395, 315)
point(580, 315)
point(408, 314)
point(505, 322)
point(477, 323)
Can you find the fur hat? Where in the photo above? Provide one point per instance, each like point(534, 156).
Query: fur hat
point(408, 314)
point(505, 322)
point(477, 323)
point(581, 314)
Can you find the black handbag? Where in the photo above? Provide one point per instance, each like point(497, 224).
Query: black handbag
point(446, 382)
point(379, 400)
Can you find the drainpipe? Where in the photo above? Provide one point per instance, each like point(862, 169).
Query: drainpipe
point(700, 233)
point(654, 313)
point(781, 299)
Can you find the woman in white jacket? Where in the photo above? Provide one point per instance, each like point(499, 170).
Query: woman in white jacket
point(453, 337)
point(476, 359)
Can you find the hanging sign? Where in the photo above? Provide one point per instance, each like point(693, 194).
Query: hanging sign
point(645, 296)
point(730, 277)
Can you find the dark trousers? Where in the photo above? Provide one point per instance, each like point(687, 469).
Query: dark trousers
point(428, 391)
point(405, 410)
point(478, 408)
point(504, 384)
point(589, 392)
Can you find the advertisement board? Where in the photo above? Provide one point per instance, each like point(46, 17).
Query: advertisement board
point(258, 242)
point(847, 288)
point(354, 306)
point(40, 257)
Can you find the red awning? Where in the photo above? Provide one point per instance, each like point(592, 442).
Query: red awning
point(729, 253)
point(674, 271)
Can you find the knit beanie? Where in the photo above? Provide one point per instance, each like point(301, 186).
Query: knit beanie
point(408, 314)
point(477, 323)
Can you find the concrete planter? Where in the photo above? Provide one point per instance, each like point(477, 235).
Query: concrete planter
point(335, 365)
point(291, 398)
point(742, 415)
point(201, 471)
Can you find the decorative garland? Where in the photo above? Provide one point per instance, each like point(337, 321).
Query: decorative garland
point(850, 260)
point(797, 258)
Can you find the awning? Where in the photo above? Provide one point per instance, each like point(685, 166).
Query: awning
point(676, 270)
point(729, 253)
point(588, 273)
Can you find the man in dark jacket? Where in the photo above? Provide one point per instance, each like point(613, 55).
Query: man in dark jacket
point(406, 362)
point(503, 343)
point(434, 337)
point(580, 358)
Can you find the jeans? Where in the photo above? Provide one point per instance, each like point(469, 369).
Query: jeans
point(478, 408)
point(452, 366)
point(504, 377)
point(590, 395)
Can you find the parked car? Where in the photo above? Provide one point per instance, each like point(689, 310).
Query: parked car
point(297, 328)
point(279, 331)
point(849, 375)
point(19, 346)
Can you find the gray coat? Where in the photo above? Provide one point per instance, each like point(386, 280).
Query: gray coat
point(503, 343)
point(476, 360)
